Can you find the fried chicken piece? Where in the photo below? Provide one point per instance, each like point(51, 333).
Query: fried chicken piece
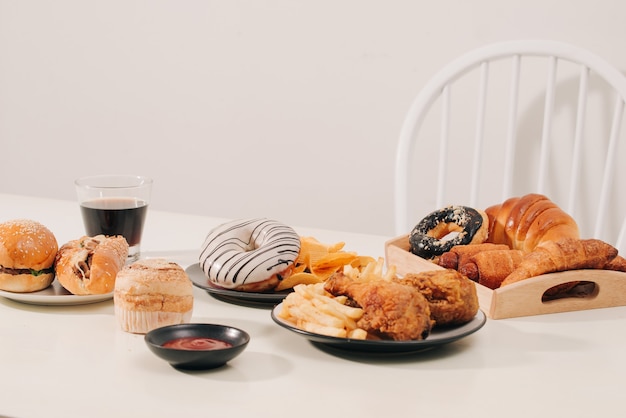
point(452, 297)
point(390, 309)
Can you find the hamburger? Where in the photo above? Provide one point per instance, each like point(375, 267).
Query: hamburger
point(27, 253)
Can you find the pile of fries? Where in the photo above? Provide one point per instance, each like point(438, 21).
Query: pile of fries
point(317, 262)
point(311, 308)
point(371, 271)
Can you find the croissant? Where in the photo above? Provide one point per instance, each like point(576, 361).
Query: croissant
point(566, 254)
point(617, 264)
point(524, 222)
point(460, 254)
point(490, 268)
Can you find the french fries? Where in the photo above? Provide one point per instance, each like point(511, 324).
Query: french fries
point(313, 309)
point(372, 271)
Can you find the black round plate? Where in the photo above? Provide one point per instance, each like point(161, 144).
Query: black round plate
point(437, 337)
point(198, 278)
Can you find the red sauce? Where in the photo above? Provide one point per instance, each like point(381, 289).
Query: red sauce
point(196, 343)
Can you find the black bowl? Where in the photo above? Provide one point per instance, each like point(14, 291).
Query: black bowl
point(197, 359)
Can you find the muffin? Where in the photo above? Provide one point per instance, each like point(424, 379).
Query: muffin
point(152, 293)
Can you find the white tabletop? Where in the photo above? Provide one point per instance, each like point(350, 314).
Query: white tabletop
point(75, 361)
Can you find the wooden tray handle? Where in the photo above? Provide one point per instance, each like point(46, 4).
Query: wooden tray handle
point(608, 288)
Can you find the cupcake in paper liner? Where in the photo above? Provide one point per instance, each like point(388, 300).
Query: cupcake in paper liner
point(151, 294)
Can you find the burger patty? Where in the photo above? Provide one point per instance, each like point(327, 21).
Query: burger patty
point(7, 270)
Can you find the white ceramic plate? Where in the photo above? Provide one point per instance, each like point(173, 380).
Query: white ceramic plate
point(55, 294)
point(437, 337)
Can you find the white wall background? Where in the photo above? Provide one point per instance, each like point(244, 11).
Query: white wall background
point(278, 108)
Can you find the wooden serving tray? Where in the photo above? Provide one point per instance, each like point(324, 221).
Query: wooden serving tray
point(602, 288)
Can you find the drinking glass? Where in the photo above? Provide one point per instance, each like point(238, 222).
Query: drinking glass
point(115, 205)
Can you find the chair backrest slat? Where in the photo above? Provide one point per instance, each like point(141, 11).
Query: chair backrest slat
point(581, 113)
point(609, 166)
point(480, 131)
point(443, 144)
point(511, 133)
point(546, 132)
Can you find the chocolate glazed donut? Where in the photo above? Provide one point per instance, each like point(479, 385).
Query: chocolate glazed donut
point(426, 238)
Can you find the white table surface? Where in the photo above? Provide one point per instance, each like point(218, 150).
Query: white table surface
point(75, 361)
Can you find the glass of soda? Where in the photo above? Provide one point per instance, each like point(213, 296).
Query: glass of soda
point(115, 205)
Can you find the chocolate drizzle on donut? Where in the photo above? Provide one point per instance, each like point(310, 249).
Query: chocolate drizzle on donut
point(427, 238)
point(248, 251)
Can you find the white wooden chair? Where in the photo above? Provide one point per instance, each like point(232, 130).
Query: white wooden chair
point(514, 118)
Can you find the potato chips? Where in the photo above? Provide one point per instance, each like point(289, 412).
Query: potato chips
point(317, 262)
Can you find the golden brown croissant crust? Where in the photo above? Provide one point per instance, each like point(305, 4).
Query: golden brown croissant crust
point(489, 268)
point(522, 223)
point(563, 255)
point(460, 254)
point(498, 267)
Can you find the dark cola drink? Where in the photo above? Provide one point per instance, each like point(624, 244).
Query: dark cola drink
point(115, 216)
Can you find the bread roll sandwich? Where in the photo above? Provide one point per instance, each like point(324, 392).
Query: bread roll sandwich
point(89, 265)
point(152, 293)
point(27, 251)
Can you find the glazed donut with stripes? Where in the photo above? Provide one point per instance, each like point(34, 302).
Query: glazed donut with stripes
point(250, 255)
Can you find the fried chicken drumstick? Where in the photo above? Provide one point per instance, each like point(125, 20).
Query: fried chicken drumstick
point(390, 309)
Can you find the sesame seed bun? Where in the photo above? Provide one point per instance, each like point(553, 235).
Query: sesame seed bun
point(27, 253)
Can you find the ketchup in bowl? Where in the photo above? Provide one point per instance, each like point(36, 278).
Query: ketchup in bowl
point(197, 346)
point(196, 343)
